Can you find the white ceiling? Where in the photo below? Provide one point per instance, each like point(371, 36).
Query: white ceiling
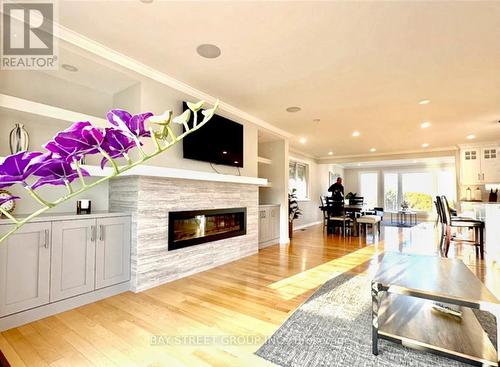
point(355, 65)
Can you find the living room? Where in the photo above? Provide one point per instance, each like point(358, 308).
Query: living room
point(181, 187)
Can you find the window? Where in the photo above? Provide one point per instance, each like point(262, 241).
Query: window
point(369, 188)
point(298, 178)
point(418, 190)
point(391, 191)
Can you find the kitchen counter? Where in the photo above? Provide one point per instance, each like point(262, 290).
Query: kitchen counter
point(490, 213)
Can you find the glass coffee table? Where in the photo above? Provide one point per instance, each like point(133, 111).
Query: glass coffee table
point(404, 217)
point(404, 291)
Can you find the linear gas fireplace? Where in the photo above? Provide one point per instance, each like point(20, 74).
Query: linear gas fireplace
point(189, 228)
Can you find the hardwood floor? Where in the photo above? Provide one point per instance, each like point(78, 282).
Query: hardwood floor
point(246, 300)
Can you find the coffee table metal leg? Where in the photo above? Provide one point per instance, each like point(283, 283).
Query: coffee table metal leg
point(498, 335)
point(375, 309)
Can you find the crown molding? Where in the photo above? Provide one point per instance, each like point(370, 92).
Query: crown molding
point(307, 155)
point(109, 54)
point(370, 156)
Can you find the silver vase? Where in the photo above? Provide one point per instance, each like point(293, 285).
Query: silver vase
point(19, 139)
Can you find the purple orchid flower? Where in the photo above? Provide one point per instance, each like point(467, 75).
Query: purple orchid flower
point(18, 167)
point(9, 198)
point(116, 144)
point(79, 139)
point(130, 125)
point(56, 171)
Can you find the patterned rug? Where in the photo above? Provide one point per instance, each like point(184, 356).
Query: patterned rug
point(333, 328)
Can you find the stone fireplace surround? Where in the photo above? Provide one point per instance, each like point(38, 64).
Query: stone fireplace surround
point(149, 199)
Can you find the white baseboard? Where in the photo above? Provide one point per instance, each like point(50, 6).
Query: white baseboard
point(37, 313)
point(307, 225)
point(269, 243)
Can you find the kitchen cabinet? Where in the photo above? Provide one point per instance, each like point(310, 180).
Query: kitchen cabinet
point(269, 224)
point(24, 268)
point(480, 165)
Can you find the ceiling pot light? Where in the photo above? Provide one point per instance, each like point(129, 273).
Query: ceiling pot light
point(471, 136)
point(293, 109)
point(69, 67)
point(208, 51)
point(425, 124)
point(302, 140)
point(373, 150)
point(146, 1)
point(425, 145)
point(355, 133)
point(424, 101)
point(316, 120)
point(330, 153)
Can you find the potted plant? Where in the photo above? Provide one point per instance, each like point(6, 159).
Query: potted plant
point(349, 196)
point(293, 211)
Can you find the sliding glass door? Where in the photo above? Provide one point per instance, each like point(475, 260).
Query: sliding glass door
point(418, 189)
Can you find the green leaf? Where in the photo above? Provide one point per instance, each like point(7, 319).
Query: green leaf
point(184, 118)
point(195, 106)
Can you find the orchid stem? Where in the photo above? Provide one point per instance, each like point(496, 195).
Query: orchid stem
point(171, 134)
point(155, 140)
point(80, 174)
point(127, 158)
point(111, 161)
point(38, 198)
point(8, 215)
point(68, 186)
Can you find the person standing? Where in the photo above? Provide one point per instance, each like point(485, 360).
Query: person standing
point(337, 190)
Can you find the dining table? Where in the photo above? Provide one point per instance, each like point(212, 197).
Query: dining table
point(357, 208)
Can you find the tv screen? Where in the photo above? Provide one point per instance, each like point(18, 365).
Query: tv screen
point(220, 141)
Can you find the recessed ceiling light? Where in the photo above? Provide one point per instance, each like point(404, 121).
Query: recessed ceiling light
point(471, 136)
point(302, 140)
point(425, 145)
point(424, 101)
point(330, 153)
point(425, 124)
point(69, 67)
point(355, 133)
point(373, 150)
point(208, 51)
point(293, 109)
point(316, 120)
point(146, 1)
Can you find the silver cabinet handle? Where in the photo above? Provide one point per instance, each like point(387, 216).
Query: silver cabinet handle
point(101, 232)
point(92, 233)
point(47, 239)
point(43, 235)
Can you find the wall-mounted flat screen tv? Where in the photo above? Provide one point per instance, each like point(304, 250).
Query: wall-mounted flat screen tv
point(220, 141)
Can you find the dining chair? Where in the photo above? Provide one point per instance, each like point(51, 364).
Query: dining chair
point(338, 215)
point(323, 209)
point(450, 222)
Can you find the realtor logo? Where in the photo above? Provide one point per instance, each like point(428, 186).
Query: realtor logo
point(28, 40)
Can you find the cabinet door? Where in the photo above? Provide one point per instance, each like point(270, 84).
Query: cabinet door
point(73, 258)
point(24, 268)
point(471, 166)
point(112, 251)
point(490, 164)
point(275, 222)
point(263, 224)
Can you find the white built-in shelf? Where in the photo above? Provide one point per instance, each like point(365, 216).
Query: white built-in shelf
point(264, 160)
point(268, 184)
point(41, 109)
point(153, 171)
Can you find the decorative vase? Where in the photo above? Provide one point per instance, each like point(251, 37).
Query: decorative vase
point(19, 139)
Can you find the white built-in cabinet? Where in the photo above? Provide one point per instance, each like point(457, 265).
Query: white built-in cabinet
point(46, 262)
point(480, 165)
point(269, 224)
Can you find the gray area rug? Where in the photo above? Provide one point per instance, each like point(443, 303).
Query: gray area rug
point(333, 328)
